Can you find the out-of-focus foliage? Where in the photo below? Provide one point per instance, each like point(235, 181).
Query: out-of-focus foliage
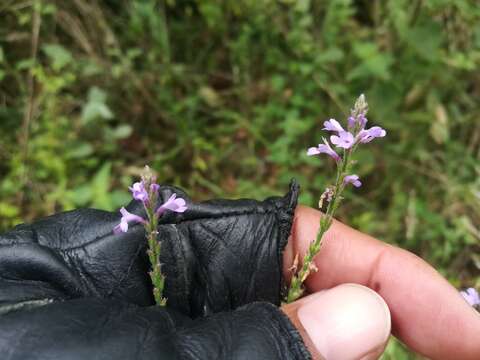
point(223, 98)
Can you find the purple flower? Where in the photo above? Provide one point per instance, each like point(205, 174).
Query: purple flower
point(154, 187)
point(333, 125)
point(351, 122)
point(126, 218)
point(362, 121)
point(173, 204)
point(344, 140)
point(365, 136)
point(139, 192)
point(359, 120)
point(352, 179)
point(324, 148)
point(472, 296)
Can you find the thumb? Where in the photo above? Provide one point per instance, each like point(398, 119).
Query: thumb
point(347, 322)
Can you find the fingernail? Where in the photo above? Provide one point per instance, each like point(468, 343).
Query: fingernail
point(346, 322)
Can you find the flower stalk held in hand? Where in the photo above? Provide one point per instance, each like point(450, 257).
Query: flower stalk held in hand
point(146, 191)
point(345, 142)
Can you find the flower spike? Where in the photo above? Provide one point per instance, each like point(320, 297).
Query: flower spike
point(347, 142)
point(147, 192)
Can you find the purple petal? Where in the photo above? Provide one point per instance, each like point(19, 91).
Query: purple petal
point(351, 122)
point(327, 149)
point(343, 140)
point(139, 192)
point(332, 125)
point(377, 131)
point(362, 121)
point(154, 187)
point(170, 200)
point(365, 136)
point(181, 205)
point(324, 148)
point(124, 225)
point(352, 179)
point(125, 219)
point(335, 139)
point(117, 229)
point(173, 204)
point(137, 187)
point(359, 121)
point(127, 216)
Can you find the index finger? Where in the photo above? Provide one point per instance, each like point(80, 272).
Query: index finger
point(428, 314)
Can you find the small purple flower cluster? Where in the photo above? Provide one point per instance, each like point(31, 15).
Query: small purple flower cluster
point(348, 139)
point(140, 193)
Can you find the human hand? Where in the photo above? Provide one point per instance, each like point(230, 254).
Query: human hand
point(73, 255)
point(428, 314)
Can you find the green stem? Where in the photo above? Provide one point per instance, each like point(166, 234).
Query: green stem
point(154, 247)
point(296, 286)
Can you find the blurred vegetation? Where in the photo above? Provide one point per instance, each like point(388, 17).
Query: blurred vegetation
point(223, 98)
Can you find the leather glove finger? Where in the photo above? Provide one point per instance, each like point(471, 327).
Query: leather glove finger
point(110, 329)
point(221, 254)
point(218, 255)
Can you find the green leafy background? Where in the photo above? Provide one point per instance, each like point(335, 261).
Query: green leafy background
point(223, 97)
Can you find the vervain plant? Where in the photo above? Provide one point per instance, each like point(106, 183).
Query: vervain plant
point(347, 142)
point(146, 191)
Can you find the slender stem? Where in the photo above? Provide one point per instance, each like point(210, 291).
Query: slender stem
point(154, 247)
point(296, 286)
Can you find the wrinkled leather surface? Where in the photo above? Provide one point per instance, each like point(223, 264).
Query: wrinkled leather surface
point(70, 288)
point(109, 329)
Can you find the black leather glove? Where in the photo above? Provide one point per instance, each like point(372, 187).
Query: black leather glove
point(70, 288)
point(110, 329)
